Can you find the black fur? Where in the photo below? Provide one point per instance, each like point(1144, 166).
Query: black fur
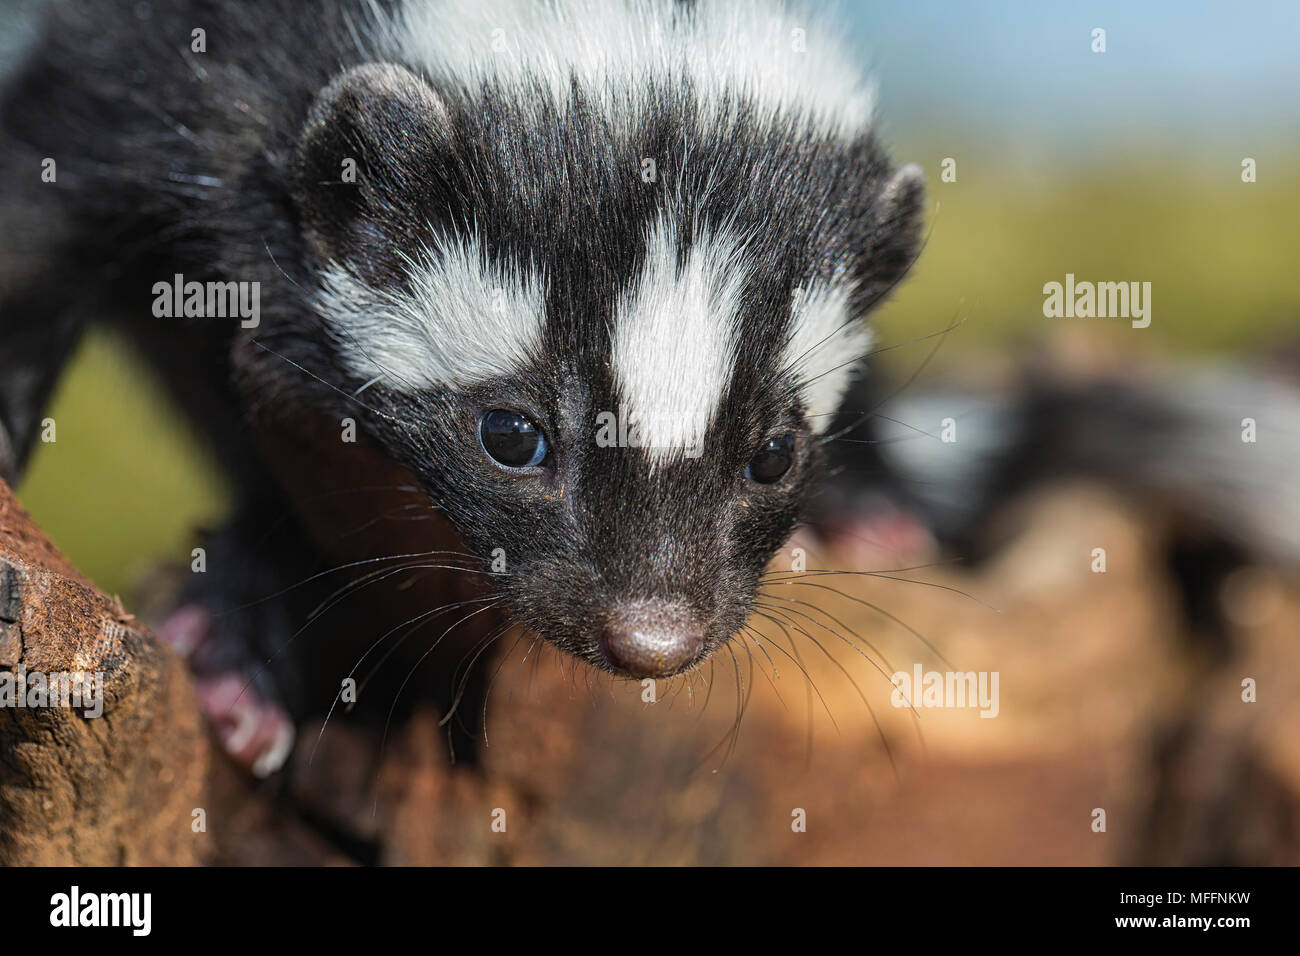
point(226, 165)
point(1175, 455)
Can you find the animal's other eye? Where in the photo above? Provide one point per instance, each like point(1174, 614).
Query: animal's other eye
point(772, 460)
point(511, 439)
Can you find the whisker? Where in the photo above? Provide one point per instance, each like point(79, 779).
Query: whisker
point(880, 730)
point(746, 633)
point(888, 678)
point(913, 567)
point(393, 513)
point(776, 671)
point(482, 646)
point(418, 620)
point(856, 317)
point(335, 570)
point(313, 499)
point(879, 610)
point(810, 685)
point(871, 647)
point(383, 743)
point(882, 575)
point(339, 596)
point(487, 693)
point(381, 574)
point(331, 385)
point(414, 623)
point(487, 642)
point(907, 383)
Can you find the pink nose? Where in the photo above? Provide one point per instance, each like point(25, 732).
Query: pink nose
point(651, 639)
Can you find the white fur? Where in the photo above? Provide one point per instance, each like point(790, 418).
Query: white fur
point(616, 49)
point(1251, 488)
point(466, 320)
point(825, 342)
point(675, 337)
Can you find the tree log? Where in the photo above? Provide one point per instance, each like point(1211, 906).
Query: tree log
point(118, 788)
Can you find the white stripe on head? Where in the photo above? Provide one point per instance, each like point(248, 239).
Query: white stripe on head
point(674, 339)
point(464, 320)
point(823, 346)
point(764, 50)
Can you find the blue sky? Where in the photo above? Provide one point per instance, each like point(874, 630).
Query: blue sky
point(1183, 71)
point(1013, 72)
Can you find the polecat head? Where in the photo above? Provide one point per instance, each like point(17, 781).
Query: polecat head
point(610, 272)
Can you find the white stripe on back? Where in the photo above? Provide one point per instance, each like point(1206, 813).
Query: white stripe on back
point(771, 53)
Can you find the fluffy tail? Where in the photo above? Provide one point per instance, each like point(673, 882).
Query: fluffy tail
point(1217, 449)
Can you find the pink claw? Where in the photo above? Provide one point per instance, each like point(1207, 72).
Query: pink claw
point(186, 629)
point(257, 734)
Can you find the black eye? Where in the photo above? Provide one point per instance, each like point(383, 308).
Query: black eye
point(772, 461)
point(511, 439)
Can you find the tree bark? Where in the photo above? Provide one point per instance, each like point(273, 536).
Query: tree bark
point(119, 788)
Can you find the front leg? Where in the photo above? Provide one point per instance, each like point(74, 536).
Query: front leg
point(352, 577)
point(235, 631)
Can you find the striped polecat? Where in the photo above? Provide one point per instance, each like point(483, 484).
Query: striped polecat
point(588, 278)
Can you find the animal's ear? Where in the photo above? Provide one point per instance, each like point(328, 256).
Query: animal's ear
point(898, 219)
point(373, 133)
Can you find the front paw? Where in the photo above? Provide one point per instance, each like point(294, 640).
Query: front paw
point(255, 730)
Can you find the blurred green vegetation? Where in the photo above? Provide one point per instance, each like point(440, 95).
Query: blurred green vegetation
point(126, 483)
point(1220, 255)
